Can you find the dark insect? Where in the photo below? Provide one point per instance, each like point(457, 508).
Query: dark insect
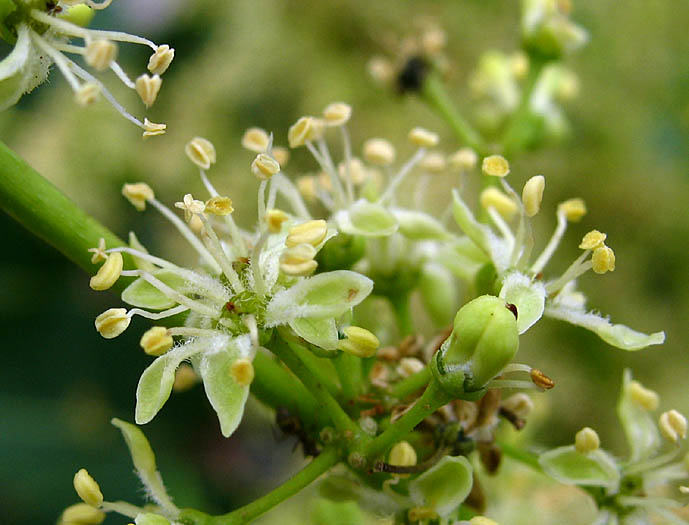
point(412, 75)
point(290, 425)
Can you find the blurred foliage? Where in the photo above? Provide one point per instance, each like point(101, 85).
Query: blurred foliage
point(265, 63)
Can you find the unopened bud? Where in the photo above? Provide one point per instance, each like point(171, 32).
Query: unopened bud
point(148, 87)
point(402, 454)
point(532, 195)
point(359, 342)
point(161, 59)
point(337, 113)
point(379, 152)
point(156, 341)
point(264, 166)
point(242, 370)
point(137, 194)
point(108, 273)
point(603, 260)
point(88, 488)
point(495, 166)
point(100, 54)
point(255, 139)
point(310, 232)
point(573, 209)
point(219, 205)
point(673, 426)
point(586, 440)
point(112, 322)
point(201, 152)
point(423, 138)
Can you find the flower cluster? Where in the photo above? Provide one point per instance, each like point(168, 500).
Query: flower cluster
point(41, 33)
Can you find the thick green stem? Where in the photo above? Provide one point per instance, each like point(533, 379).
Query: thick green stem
point(411, 384)
point(515, 135)
point(434, 94)
point(318, 367)
point(318, 466)
point(350, 373)
point(432, 399)
point(326, 401)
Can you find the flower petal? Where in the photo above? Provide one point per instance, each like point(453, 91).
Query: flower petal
point(614, 334)
point(367, 219)
point(444, 486)
point(319, 332)
point(417, 225)
point(527, 295)
point(595, 469)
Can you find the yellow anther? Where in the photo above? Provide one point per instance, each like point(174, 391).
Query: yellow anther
point(586, 440)
point(242, 371)
point(492, 197)
point(148, 87)
point(519, 404)
point(112, 322)
point(379, 152)
point(82, 514)
point(305, 130)
point(274, 219)
point(151, 129)
point(281, 154)
point(463, 160)
point(156, 341)
point(161, 59)
point(433, 41)
point(519, 64)
point(298, 260)
point(532, 195)
point(255, 139)
point(482, 520)
point(307, 187)
point(573, 209)
point(541, 380)
point(310, 232)
point(185, 378)
point(673, 426)
point(190, 206)
point(87, 94)
point(264, 166)
point(87, 488)
point(98, 252)
point(402, 454)
point(593, 240)
point(100, 54)
point(409, 366)
point(433, 162)
point(603, 259)
point(642, 396)
point(337, 113)
point(201, 152)
point(219, 205)
point(299, 270)
point(357, 171)
point(137, 194)
point(423, 138)
point(381, 70)
point(108, 273)
point(495, 166)
point(359, 342)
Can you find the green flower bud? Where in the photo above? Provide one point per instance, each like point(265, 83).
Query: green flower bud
point(484, 340)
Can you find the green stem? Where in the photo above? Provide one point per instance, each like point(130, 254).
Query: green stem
point(434, 94)
point(409, 385)
point(47, 213)
point(515, 136)
point(524, 457)
point(318, 466)
point(317, 366)
point(432, 399)
point(403, 317)
point(327, 402)
point(350, 373)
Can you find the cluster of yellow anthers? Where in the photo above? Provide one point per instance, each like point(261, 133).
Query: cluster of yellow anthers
point(99, 51)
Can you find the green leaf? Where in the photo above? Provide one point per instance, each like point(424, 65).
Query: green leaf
point(319, 332)
point(595, 469)
point(144, 295)
point(444, 486)
point(639, 426)
point(328, 294)
point(224, 393)
point(527, 295)
point(155, 384)
point(366, 219)
point(616, 335)
point(417, 225)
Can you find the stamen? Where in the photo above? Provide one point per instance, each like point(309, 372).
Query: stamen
point(516, 367)
point(653, 463)
point(124, 78)
point(191, 332)
point(401, 174)
point(511, 383)
point(123, 508)
point(216, 248)
point(503, 227)
point(157, 316)
point(259, 283)
point(347, 162)
point(552, 245)
point(290, 192)
point(577, 268)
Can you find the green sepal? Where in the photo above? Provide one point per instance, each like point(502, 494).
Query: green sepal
point(639, 426)
point(227, 397)
point(418, 226)
point(593, 469)
point(142, 294)
point(318, 332)
point(438, 291)
point(366, 219)
point(444, 486)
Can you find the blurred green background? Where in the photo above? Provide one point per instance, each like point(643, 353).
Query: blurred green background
point(265, 63)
